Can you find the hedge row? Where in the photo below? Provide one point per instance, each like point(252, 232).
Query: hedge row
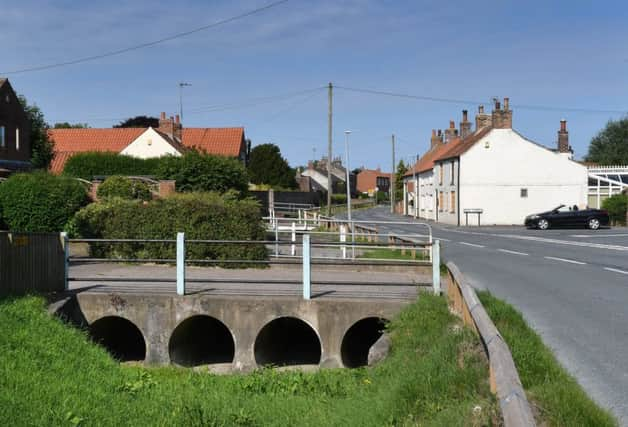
point(199, 215)
point(40, 202)
point(124, 188)
point(91, 164)
point(616, 207)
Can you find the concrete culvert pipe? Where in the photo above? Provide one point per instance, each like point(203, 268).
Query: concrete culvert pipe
point(201, 340)
point(122, 339)
point(287, 341)
point(358, 340)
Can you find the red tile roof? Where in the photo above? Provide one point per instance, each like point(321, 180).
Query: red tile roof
point(464, 145)
point(426, 162)
point(218, 141)
point(78, 140)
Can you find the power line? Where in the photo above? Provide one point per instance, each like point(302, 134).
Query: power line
point(146, 44)
point(468, 102)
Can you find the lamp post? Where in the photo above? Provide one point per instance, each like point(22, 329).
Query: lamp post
point(347, 132)
point(181, 86)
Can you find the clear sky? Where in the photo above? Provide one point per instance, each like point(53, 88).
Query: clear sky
point(560, 54)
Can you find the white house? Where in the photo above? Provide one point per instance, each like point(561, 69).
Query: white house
point(152, 143)
point(501, 173)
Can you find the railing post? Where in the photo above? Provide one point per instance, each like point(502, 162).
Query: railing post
point(307, 272)
point(293, 248)
point(343, 239)
point(436, 266)
point(276, 237)
point(180, 263)
point(65, 243)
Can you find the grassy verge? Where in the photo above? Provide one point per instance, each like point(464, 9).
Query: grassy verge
point(557, 397)
point(50, 374)
point(393, 254)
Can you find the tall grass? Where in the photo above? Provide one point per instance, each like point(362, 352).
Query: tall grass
point(51, 374)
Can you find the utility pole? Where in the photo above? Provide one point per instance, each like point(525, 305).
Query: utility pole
point(329, 148)
point(392, 178)
point(181, 85)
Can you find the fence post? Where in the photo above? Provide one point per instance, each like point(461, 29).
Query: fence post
point(436, 266)
point(343, 239)
point(307, 272)
point(276, 237)
point(293, 248)
point(65, 243)
point(180, 263)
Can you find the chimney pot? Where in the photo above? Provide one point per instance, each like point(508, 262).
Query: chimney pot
point(563, 125)
point(440, 132)
point(162, 116)
point(481, 109)
point(464, 116)
point(506, 102)
point(452, 124)
point(177, 119)
point(433, 132)
point(497, 105)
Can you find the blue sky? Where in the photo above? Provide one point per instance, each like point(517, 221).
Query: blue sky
point(548, 53)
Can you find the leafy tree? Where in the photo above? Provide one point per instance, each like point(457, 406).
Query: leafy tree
point(139, 122)
point(41, 147)
point(402, 168)
point(616, 206)
point(66, 125)
point(610, 145)
point(267, 166)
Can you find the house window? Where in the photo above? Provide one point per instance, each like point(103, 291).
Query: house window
point(452, 173)
point(440, 202)
point(17, 139)
point(3, 142)
point(452, 203)
point(440, 174)
point(524, 192)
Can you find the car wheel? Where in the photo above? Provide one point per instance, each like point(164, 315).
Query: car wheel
point(543, 224)
point(593, 223)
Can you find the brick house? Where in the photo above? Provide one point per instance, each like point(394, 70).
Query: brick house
point(170, 138)
point(15, 149)
point(370, 179)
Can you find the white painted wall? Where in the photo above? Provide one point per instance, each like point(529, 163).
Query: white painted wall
point(427, 203)
point(492, 176)
point(148, 145)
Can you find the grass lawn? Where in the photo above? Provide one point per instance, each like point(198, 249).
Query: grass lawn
point(393, 254)
point(51, 374)
point(558, 398)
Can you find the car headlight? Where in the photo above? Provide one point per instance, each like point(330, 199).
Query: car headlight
point(534, 217)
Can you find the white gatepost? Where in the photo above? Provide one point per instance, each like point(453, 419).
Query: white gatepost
point(180, 263)
point(343, 239)
point(436, 266)
point(293, 248)
point(65, 244)
point(307, 265)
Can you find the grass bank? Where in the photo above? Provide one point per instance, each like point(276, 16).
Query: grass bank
point(51, 374)
point(555, 395)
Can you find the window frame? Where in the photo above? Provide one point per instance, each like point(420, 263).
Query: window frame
point(523, 193)
point(3, 137)
point(17, 138)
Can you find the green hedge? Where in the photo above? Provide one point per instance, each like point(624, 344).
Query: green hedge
point(40, 202)
point(91, 164)
point(196, 171)
point(616, 207)
point(199, 215)
point(124, 188)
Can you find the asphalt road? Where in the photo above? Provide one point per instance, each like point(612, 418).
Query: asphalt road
point(571, 285)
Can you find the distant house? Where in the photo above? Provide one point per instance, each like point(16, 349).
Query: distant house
point(314, 178)
point(371, 180)
point(170, 138)
point(15, 149)
point(493, 169)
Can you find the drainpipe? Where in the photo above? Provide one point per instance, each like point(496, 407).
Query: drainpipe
point(458, 191)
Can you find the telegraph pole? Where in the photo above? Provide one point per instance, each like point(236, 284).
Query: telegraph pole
point(392, 178)
point(181, 85)
point(329, 148)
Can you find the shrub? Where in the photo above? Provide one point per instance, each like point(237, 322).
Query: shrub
point(616, 207)
point(40, 202)
point(124, 188)
point(91, 164)
point(338, 199)
point(199, 215)
point(195, 171)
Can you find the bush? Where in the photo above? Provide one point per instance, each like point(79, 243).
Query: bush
point(91, 164)
point(338, 199)
point(199, 215)
point(195, 171)
point(124, 188)
point(616, 207)
point(40, 202)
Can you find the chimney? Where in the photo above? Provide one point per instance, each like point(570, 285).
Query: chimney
point(166, 125)
point(440, 136)
point(482, 120)
point(465, 125)
point(434, 140)
point(451, 132)
point(162, 116)
point(178, 129)
point(502, 119)
point(310, 164)
point(563, 138)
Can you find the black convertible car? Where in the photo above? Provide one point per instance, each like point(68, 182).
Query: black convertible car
point(565, 216)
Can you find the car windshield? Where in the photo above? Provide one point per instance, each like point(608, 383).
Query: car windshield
point(563, 208)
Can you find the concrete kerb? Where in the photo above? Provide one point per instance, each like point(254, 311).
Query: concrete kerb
point(504, 378)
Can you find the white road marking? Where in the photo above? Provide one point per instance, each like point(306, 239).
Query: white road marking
point(562, 242)
point(571, 261)
point(512, 252)
point(616, 270)
point(598, 235)
point(471, 244)
point(441, 238)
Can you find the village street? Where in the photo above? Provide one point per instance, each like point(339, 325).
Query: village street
point(571, 286)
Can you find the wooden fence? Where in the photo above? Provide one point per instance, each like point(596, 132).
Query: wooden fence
point(31, 262)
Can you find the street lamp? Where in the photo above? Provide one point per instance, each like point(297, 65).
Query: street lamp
point(347, 132)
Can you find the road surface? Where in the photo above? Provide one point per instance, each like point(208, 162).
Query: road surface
point(571, 285)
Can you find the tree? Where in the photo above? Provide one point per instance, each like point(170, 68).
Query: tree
point(66, 125)
point(610, 145)
point(41, 147)
point(399, 174)
point(139, 122)
point(267, 166)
